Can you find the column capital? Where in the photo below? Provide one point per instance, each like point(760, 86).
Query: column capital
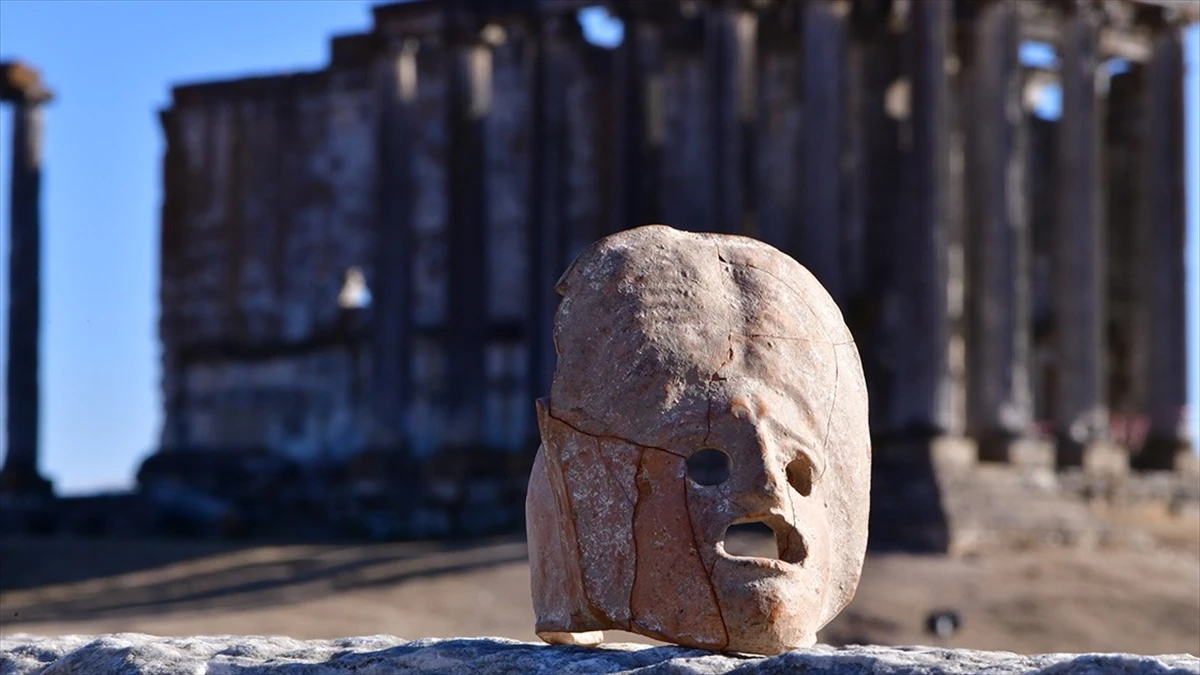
point(21, 83)
point(1171, 12)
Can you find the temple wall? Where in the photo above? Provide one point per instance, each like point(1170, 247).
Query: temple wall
point(271, 202)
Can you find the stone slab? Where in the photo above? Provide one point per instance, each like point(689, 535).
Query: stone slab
point(136, 654)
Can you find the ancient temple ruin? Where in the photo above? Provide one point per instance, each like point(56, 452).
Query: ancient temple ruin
point(359, 262)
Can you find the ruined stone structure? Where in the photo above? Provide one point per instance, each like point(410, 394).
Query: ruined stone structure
point(1015, 284)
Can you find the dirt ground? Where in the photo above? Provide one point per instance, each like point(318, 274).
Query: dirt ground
point(1057, 600)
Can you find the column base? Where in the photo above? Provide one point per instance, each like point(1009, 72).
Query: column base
point(1165, 454)
point(1105, 458)
point(24, 483)
point(910, 476)
point(1023, 451)
point(944, 450)
point(1096, 457)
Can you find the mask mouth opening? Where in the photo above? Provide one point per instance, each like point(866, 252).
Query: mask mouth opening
point(769, 538)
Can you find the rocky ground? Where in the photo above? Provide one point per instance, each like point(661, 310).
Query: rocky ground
point(1144, 599)
point(136, 654)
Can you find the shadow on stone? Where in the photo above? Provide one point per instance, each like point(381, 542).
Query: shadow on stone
point(253, 578)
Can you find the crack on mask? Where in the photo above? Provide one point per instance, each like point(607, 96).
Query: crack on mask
point(716, 376)
point(800, 296)
point(795, 529)
point(837, 372)
point(550, 413)
point(687, 508)
point(763, 336)
point(558, 478)
point(637, 502)
point(708, 421)
point(608, 470)
point(803, 299)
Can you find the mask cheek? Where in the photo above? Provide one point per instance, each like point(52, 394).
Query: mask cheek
point(767, 614)
point(710, 513)
point(673, 597)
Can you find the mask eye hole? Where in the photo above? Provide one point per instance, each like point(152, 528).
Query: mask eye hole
point(800, 476)
point(708, 466)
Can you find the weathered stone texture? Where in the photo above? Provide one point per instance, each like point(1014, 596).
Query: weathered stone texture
point(301, 406)
point(134, 654)
point(508, 134)
point(428, 260)
point(272, 204)
point(507, 181)
point(279, 205)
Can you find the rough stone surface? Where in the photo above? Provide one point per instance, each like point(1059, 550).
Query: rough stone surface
point(671, 343)
point(136, 654)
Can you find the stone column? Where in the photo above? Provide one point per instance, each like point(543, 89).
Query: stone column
point(928, 403)
point(172, 252)
point(21, 86)
point(878, 169)
point(1123, 257)
point(1162, 232)
point(823, 41)
point(391, 302)
point(469, 98)
point(730, 49)
point(638, 154)
point(1081, 415)
point(1039, 167)
point(999, 395)
point(548, 113)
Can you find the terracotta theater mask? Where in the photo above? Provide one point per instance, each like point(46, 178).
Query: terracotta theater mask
point(703, 381)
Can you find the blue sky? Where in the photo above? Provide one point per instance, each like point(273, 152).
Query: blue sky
point(112, 64)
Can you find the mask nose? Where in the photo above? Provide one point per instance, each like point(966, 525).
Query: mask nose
point(761, 482)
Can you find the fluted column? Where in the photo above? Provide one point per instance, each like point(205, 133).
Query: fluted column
point(1162, 232)
point(823, 44)
point(929, 400)
point(391, 289)
point(638, 151)
point(730, 49)
point(999, 395)
point(548, 171)
point(22, 87)
point(469, 99)
point(1081, 415)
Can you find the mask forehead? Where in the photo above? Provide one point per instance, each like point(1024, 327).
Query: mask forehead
point(648, 322)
